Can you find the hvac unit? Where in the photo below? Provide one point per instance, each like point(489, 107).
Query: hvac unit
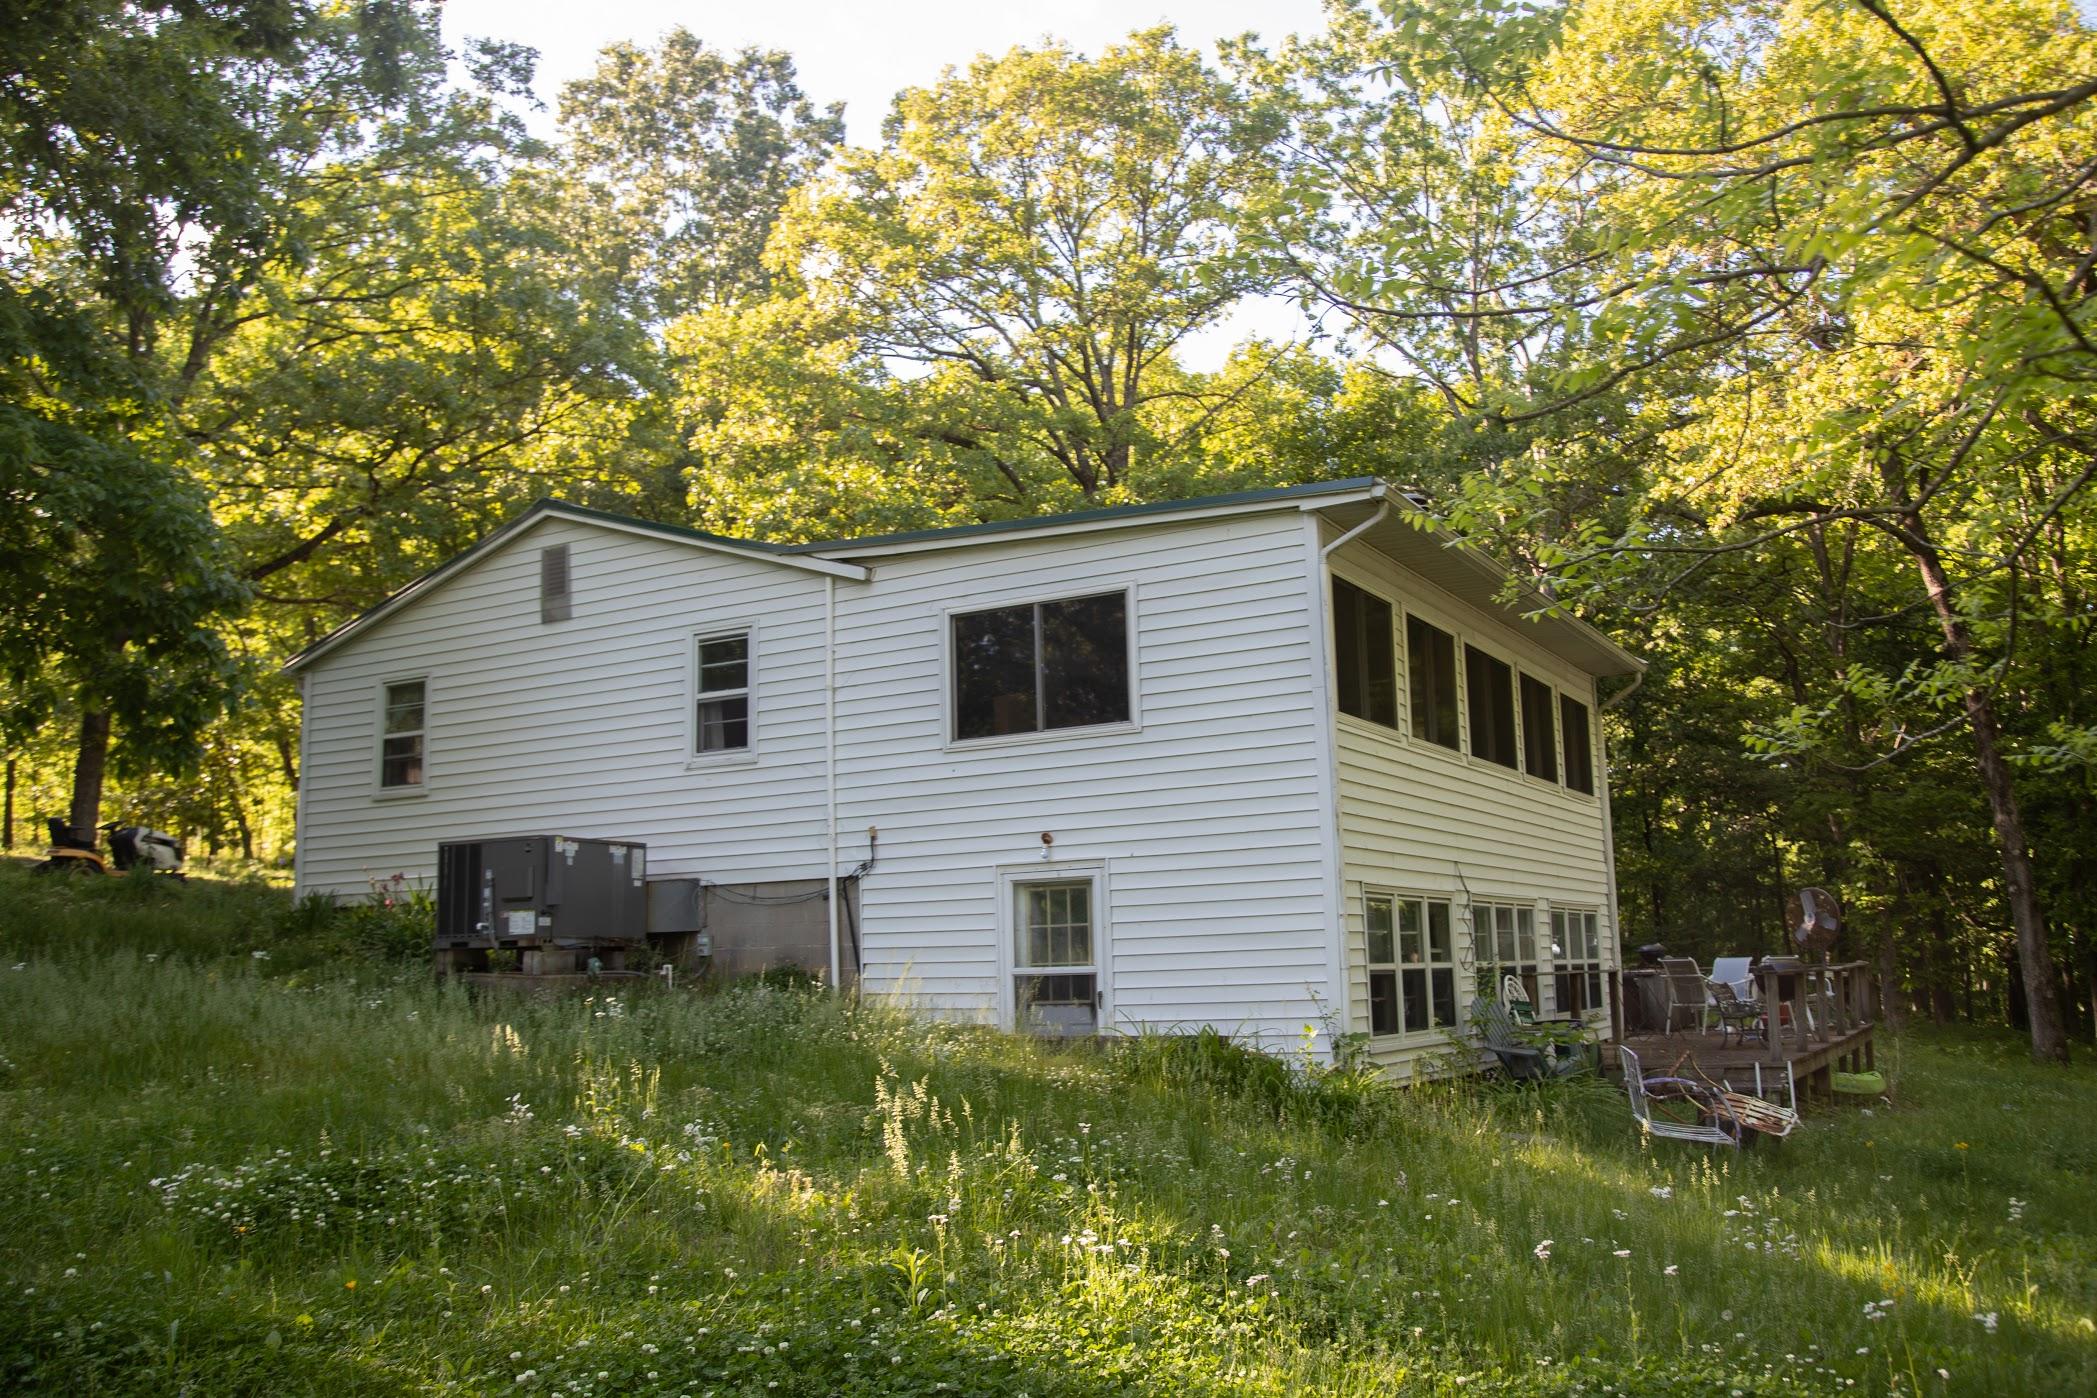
point(539, 895)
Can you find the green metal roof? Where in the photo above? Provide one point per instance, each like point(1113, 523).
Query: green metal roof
point(1351, 485)
point(833, 556)
point(675, 531)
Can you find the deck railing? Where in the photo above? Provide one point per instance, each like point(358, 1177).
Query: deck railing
point(1827, 1003)
point(1808, 1004)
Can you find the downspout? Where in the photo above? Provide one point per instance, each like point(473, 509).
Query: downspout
point(298, 798)
point(1616, 928)
point(1328, 755)
point(830, 772)
point(1383, 508)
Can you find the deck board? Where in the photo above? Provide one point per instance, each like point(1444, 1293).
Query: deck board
point(1702, 1056)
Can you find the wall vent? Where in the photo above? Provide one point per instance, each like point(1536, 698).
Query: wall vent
point(555, 601)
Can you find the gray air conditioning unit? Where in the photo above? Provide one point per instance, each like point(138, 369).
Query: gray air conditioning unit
point(530, 891)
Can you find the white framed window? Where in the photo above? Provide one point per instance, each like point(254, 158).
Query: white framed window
point(403, 729)
point(1576, 946)
point(1041, 667)
point(1430, 666)
point(1365, 654)
point(1412, 963)
point(1579, 745)
point(1539, 729)
point(1503, 943)
point(1054, 950)
point(722, 694)
point(1490, 697)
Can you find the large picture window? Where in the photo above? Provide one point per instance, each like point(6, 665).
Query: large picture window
point(1491, 684)
point(1579, 744)
point(722, 667)
point(1430, 663)
point(1503, 937)
point(1365, 654)
point(402, 726)
point(1041, 665)
point(1576, 944)
point(1412, 966)
point(1539, 745)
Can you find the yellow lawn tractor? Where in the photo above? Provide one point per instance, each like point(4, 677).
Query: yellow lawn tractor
point(73, 851)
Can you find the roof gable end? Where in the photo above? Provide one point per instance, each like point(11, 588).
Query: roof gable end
point(539, 512)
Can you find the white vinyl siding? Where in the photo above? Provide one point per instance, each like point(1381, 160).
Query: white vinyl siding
point(1206, 823)
point(1205, 810)
point(585, 728)
point(1418, 816)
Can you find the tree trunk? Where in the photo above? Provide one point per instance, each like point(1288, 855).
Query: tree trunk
point(2020, 887)
point(90, 762)
point(7, 825)
point(1893, 1006)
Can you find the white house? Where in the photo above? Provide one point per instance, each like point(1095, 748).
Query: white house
point(1261, 761)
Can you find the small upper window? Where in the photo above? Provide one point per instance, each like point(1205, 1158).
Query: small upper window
point(1042, 665)
point(1539, 744)
point(1430, 660)
point(401, 733)
point(1579, 744)
point(723, 668)
point(1491, 685)
point(1365, 654)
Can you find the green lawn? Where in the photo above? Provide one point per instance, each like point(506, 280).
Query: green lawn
point(239, 1152)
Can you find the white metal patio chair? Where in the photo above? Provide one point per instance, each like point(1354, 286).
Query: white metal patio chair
point(1717, 1123)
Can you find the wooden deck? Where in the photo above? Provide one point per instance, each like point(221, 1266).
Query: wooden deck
point(1796, 1071)
point(1825, 1029)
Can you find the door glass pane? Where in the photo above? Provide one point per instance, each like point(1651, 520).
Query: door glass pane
point(1057, 1004)
point(1055, 924)
point(994, 673)
point(1085, 661)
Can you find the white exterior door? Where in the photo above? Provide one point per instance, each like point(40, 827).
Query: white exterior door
point(1054, 961)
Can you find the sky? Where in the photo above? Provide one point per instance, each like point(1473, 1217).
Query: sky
point(863, 53)
point(852, 51)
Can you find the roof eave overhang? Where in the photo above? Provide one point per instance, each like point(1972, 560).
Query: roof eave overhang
point(1492, 586)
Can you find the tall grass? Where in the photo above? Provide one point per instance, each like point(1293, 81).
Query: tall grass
point(316, 1171)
